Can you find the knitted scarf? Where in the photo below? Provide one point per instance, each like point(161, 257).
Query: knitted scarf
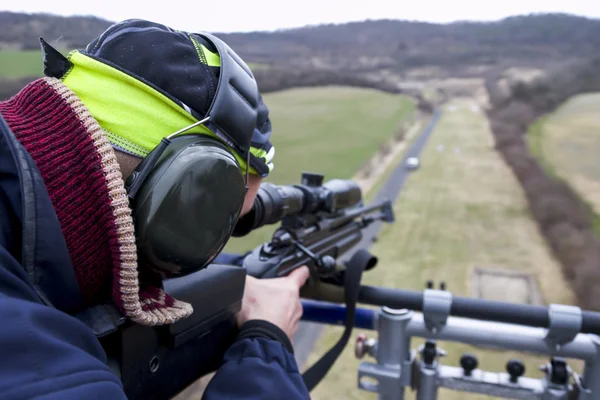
point(83, 179)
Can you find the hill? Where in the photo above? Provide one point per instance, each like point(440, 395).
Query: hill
point(532, 40)
point(22, 31)
point(400, 48)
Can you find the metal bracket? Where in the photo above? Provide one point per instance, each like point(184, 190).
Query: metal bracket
point(580, 391)
point(565, 324)
point(387, 379)
point(436, 309)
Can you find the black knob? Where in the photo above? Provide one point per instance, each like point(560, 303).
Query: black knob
point(515, 369)
point(468, 362)
point(560, 371)
point(310, 179)
point(326, 265)
point(429, 352)
point(429, 284)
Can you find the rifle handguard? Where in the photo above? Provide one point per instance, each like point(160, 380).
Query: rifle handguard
point(318, 290)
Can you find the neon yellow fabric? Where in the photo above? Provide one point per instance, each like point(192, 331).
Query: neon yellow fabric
point(212, 59)
point(135, 116)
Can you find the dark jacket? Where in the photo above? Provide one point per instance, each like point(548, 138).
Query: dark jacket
point(48, 354)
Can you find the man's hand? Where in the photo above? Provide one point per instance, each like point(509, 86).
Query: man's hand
point(274, 300)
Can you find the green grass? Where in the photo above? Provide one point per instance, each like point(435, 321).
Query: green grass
point(457, 211)
point(16, 64)
point(332, 131)
point(567, 144)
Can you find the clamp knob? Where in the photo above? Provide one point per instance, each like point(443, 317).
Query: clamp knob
point(515, 369)
point(326, 265)
point(468, 362)
point(363, 346)
point(429, 352)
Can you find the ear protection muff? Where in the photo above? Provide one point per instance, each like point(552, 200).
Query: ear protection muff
point(188, 206)
point(187, 194)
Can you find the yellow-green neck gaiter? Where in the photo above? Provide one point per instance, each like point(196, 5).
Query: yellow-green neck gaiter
point(134, 115)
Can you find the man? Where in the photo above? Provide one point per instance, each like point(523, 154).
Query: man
point(68, 143)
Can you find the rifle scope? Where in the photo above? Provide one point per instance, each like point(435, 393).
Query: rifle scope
point(275, 202)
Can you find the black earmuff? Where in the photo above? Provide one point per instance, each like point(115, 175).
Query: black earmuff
point(189, 205)
point(187, 194)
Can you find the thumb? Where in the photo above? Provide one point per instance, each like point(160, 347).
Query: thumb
point(299, 275)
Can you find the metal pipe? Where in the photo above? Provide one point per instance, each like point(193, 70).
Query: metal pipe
point(335, 314)
point(479, 309)
point(505, 336)
point(464, 330)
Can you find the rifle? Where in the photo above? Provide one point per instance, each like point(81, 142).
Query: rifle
point(558, 331)
point(320, 224)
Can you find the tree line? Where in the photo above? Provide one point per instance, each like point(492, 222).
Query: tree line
point(563, 218)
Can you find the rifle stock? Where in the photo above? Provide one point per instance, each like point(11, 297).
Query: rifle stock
point(159, 362)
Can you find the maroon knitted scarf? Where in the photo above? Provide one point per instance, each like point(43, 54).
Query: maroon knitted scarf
point(83, 179)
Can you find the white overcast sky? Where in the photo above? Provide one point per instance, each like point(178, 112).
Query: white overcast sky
point(249, 15)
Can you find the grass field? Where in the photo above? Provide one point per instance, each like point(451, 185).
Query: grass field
point(567, 142)
point(19, 64)
point(460, 210)
point(332, 131)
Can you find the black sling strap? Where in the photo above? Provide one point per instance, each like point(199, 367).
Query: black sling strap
point(360, 261)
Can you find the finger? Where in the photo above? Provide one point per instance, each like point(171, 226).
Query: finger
point(299, 275)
